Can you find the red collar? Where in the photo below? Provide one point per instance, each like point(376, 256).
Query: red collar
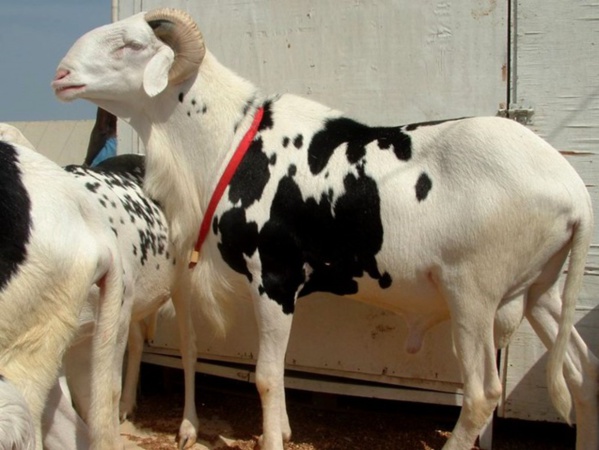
point(223, 183)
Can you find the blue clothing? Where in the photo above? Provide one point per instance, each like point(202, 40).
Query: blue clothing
point(108, 151)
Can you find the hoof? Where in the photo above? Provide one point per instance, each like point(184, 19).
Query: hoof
point(187, 436)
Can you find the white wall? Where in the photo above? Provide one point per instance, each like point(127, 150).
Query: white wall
point(63, 141)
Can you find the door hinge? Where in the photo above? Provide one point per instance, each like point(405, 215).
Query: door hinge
point(517, 113)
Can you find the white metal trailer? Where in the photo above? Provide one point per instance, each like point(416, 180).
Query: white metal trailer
point(392, 62)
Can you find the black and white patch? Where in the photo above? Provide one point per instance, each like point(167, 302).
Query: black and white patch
point(117, 185)
point(15, 214)
point(324, 241)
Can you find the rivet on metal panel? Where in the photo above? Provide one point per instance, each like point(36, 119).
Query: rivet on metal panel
point(518, 113)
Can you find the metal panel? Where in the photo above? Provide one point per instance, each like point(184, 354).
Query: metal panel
point(384, 62)
point(554, 71)
point(332, 337)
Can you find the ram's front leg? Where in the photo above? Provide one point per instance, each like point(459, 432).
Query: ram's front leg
point(274, 327)
point(188, 430)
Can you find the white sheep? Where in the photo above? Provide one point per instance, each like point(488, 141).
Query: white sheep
point(16, 424)
point(53, 248)
point(60, 420)
point(153, 275)
point(8, 133)
point(465, 220)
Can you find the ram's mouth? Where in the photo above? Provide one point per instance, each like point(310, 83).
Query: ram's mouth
point(67, 91)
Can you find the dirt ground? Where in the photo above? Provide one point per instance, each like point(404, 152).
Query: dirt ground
point(230, 418)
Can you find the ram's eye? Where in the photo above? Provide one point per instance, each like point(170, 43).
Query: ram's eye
point(134, 45)
point(126, 47)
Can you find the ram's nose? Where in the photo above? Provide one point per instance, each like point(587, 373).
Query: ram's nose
point(60, 74)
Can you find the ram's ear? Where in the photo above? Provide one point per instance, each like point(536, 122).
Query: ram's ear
point(156, 72)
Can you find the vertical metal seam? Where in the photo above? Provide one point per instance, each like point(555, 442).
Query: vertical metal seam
point(512, 69)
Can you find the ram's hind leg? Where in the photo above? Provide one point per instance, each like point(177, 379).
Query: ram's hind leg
point(581, 367)
point(472, 316)
point(135, 347)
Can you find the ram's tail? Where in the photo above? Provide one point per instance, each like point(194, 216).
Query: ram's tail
point(558, 390)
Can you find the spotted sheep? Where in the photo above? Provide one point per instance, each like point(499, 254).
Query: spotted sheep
point(467, 220)
point(154, 275)
point(54, 247)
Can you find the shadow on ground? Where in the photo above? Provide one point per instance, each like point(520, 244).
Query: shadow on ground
point(231, 418)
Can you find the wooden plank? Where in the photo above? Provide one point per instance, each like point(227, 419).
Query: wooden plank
point(556, 59)
point(556, 66)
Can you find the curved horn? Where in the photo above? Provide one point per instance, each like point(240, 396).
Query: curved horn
point(179, 31)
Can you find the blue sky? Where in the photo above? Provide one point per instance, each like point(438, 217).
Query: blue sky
point(34, 36)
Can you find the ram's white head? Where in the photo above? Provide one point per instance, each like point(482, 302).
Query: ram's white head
point(136, 56)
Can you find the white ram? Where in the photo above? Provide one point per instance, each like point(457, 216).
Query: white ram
point(54, 247)
point(465, 220)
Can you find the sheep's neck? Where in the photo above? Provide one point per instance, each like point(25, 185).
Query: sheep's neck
point(188, 147)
